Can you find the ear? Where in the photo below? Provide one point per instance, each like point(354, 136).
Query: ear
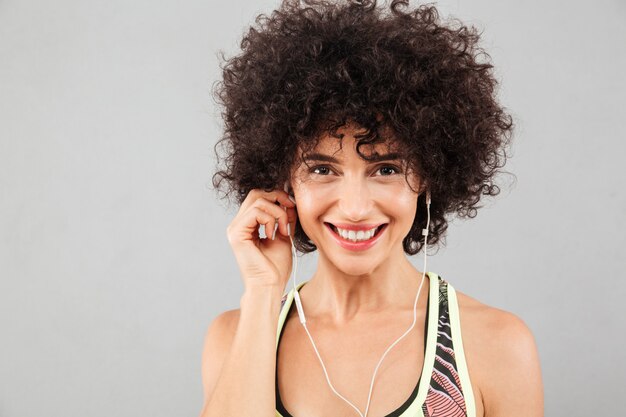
point(423, 188)
point(425, 191)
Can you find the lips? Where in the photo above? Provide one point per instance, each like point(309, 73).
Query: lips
point(357, 246)
point(334, 229)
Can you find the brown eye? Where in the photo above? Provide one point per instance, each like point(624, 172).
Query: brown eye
point(321, 167)
point(386, 167)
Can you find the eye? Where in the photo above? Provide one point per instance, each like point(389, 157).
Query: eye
point(396, 169)
point(322, 168)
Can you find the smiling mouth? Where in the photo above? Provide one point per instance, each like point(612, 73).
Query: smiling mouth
point(376, 233)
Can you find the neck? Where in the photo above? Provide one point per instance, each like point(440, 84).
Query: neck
point(342, 296)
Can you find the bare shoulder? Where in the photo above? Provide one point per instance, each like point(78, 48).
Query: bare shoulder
point(217, 342)
point(502, 359)
point(506, 324)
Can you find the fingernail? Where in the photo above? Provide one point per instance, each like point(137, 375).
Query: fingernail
point(274, 234)
point(293, 200)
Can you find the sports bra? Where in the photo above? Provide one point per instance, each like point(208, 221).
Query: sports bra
point(449, 391)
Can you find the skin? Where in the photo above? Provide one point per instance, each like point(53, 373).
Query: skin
point(358, 303)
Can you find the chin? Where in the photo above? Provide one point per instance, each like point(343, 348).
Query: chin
point(354, 266)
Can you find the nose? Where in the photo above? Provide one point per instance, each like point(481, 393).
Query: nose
point(355, 200)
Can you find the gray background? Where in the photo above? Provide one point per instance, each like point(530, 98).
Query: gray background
point(113, 252)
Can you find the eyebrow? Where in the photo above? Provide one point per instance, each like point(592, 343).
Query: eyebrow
point(373, 158)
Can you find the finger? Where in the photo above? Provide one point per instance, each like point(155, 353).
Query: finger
point(247, 227)
point(267, 220)
point(274, 196)
point(292, 218)
point(279, 197)
point(276, 211)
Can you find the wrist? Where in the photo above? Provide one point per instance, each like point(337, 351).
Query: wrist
point(261, 297)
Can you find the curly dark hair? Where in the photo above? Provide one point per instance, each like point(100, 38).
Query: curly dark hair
point(313, 65)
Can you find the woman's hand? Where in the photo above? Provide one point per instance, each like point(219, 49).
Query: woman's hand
point(263, 262)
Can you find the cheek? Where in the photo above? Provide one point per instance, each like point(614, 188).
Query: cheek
point(406, 198)
point(309, 208)
point(404, 205)
point(397, 187)
point(307, 202)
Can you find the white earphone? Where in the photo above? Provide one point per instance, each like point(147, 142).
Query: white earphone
point(303, 318)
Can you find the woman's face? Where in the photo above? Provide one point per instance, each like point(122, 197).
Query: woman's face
point(339, 188)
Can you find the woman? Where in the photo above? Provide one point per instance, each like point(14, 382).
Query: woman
point(372, 121)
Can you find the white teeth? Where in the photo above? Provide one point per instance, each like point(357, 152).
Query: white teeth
point(356, 236)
